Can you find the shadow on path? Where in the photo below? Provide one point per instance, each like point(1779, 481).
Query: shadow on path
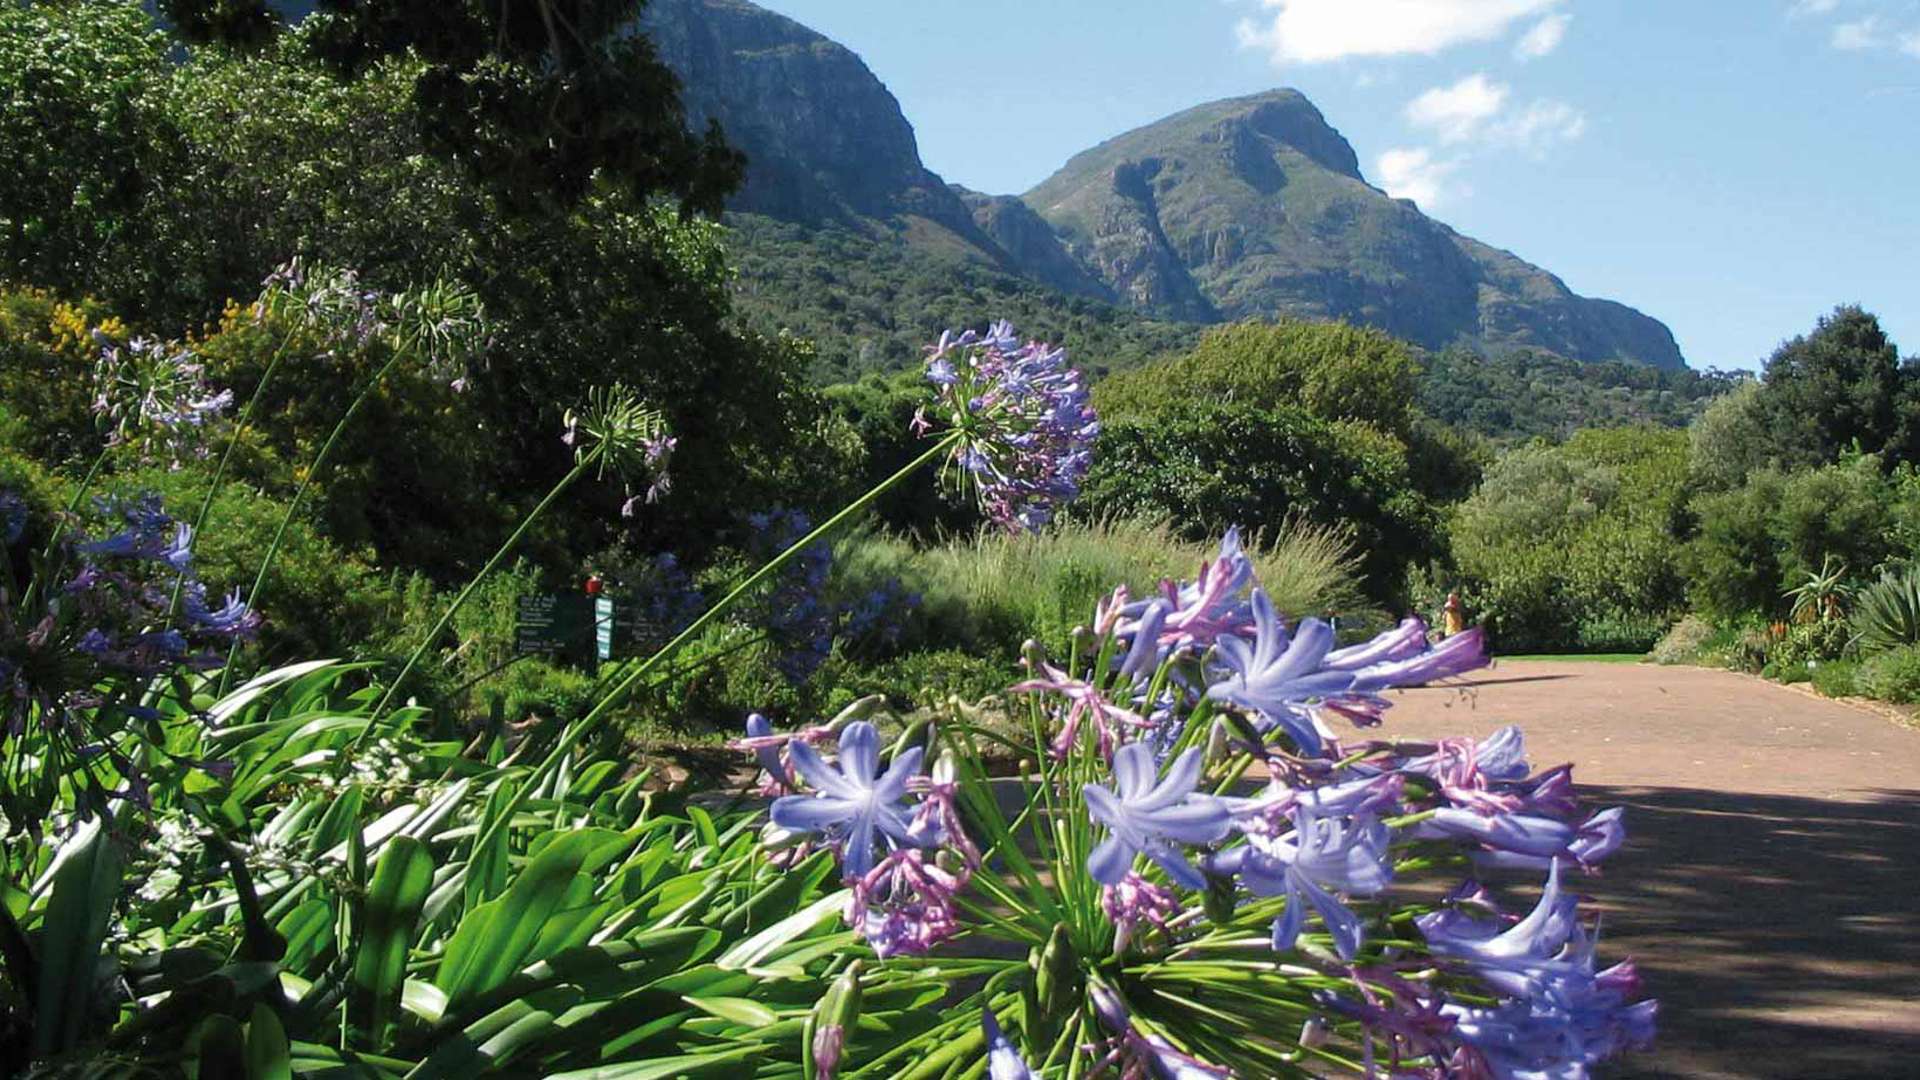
point(1778, 932)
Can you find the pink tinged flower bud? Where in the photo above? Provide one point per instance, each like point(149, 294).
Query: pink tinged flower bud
point(827, 1042)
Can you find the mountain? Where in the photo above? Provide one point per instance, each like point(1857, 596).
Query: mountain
point(1252, 207)
point(1256, 206)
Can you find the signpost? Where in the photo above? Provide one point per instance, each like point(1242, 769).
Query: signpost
point(558, 625)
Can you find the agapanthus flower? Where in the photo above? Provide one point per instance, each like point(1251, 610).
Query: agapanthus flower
point(1200, 612)
point(1321, 856)
point(1134, 902)
point(854, 808)
point(794, 611)
point(1135, 1055)
point(1516, 841)
point(13, 518)
point(1003, 1060)
point(232, 618)
point(1285, 679)
point(1027, 422)
point(1084, 702)
point(1149, 814)
point(904, 906)
point(155, 397)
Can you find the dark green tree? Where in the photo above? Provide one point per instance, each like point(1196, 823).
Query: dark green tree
point(1841, 385)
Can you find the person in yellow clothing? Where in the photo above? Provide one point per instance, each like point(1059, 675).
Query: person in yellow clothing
point(1454, 615)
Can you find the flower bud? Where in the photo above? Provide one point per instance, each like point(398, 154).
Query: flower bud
point(835, 1013)
point(1032, 653)
point(863, 709)
point(1314, 1033)
point(1056, 976)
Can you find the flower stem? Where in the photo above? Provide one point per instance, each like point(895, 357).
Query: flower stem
point(580, 728)
point(299, 495)
point(226, 457)
point(393, 689)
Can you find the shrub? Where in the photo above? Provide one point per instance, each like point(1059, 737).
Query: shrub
point(1892, 676)
point(1837, 678)
point(1809, 642)
point(1685, 642)
point(1333, 371)
point(1204, 468)
point(1887, 613)
point(1575, 546)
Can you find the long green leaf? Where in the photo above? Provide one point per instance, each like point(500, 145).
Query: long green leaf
point(268, 1055)
point(401, 880)
point(75, 925)
point(494, 938)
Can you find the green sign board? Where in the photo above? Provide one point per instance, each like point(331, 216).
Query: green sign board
point(555, 624)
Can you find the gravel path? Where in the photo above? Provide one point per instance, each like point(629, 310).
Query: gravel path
point(1770, 886)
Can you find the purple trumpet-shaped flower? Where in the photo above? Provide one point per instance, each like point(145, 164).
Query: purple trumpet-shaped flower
point(13, 518)
point(1084, 701)
point(1530, 841)
point(1321, 856)
point(1136, 1056)
point(1149, 817)
point(853, 809)
point(1288, 679)
point(1003, 1060)
point(1281, 676)
point(1491, 945)
point(1135, 901)
point(1406, 640)
point(904, 905)
point(232, 618)
point(1201, 611)
point(777, 778)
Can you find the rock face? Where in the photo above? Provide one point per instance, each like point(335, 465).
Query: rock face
point(1252, 207)
point(824, 139)
point(1256, 207)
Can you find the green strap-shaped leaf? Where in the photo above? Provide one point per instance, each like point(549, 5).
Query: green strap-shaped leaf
point(269, 1057)
point(72, 931)
point(401, 880)
point(662, 1068)
point(494, 939)
point(222, 1049)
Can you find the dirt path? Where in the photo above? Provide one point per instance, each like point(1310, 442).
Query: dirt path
point(1770, 888)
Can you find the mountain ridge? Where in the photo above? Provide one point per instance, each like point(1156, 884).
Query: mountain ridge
point(1249, 207)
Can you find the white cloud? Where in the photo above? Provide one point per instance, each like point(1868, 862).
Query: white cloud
point(1314, 31)
point(1811, 7)
point(1910, 44)
point(1542, 125)
point(1858, 34)
point(1545, 37)
point(1455, 113)
point(1414, 173)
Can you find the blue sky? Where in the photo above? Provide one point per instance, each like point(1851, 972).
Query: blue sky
point(1732, 167)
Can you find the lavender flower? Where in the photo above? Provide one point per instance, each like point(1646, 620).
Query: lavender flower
point(1290, 679)
point(1028, 426)
point(904, 906)
point(1321, 854)
point(795, 612)
point(1084, 701)
point(1530, 841)
point(13, 518)
point(1150, 813)
point(1003, 1061)
point(852, 805)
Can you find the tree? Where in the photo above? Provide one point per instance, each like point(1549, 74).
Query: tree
point(1207, 466)
point(1332, 370)
point(1841, 385)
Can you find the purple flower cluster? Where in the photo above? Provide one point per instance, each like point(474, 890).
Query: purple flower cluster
point(1286, 679)
point(1028, 426)
point(904, 863)
point(874, 622)
point(13, 518)
point(795, 612)
point(155, 397)
point(108, 629)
